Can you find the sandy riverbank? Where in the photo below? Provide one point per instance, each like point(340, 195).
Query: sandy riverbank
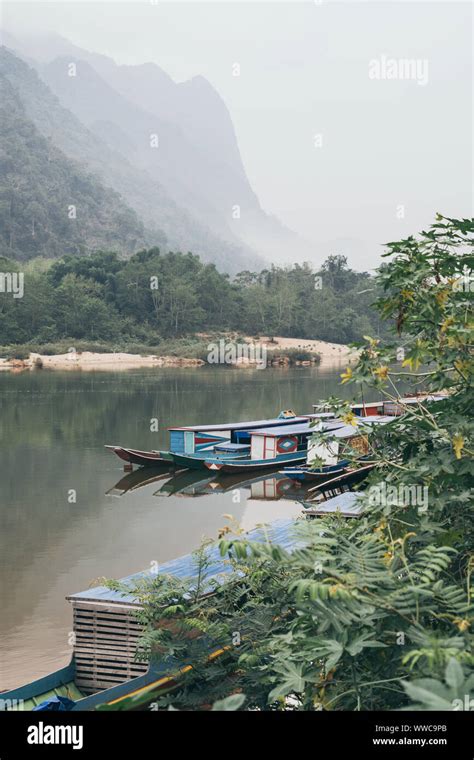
point(87, 360)
point(330, 353)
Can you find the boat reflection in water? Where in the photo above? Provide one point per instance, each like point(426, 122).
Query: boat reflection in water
point(191, 483)
point(138, 479)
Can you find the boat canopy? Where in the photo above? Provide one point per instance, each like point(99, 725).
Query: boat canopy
point(274, 421)
point(238, 448)
point(299, 429)
point(278, 531)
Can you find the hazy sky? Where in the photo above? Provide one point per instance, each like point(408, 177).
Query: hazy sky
point(332, 145)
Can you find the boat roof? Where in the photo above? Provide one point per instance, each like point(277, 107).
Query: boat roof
point(417, 399)
point(382, 419)
point(276, 432)
point(249, 425)
point(280, 532)
point(232, 446)
point(346, 503)
point(367, 404)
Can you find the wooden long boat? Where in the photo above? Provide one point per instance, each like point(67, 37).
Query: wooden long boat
point(235, 443)
point(337, 453)
point(60, 687)
point(386, 407)
point(104, 646)
point(344, 482)
point(189, 441)
point(142, 458)
point(304, 474)
point(272, 446)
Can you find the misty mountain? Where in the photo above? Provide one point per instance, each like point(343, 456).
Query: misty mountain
point(164, 220)
point(197, 158)
point(49, 206)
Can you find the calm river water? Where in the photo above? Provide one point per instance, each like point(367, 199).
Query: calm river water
point(53, 427)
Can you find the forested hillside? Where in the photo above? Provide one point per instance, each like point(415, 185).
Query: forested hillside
point(49, 206)
point(152, 297)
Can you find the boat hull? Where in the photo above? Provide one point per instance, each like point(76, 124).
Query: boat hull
point(61, 683)
point(256, 465)
point(306, 475)
point(198, 461)
point(142, 458)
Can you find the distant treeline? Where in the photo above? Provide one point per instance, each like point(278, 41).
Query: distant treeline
point(152, 297)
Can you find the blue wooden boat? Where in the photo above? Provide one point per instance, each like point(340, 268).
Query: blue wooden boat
point(60, 686)
point(335, 453)
point(305, 474)
point(191, 446)
point(270, 447)
point(193, 439)
point(160, 676)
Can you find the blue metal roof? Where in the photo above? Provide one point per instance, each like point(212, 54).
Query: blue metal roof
point(279, 532)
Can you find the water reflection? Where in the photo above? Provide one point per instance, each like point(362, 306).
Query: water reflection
point(53, 427)
point(193, 483)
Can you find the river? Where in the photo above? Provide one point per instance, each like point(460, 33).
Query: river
point(64, 524)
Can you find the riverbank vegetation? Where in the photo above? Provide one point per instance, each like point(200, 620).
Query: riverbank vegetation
point(159, 303)
point(374, 613)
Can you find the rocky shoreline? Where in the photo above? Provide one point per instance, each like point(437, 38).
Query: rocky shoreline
point(279, 352)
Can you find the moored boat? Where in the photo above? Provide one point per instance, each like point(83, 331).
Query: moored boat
point(303, 473)
point(59, 691)
point(335, 454)
point(142, 458)
point(345, 482)
point(191, 447)
point(386, 407)
point(270, 447)
point(187, 443)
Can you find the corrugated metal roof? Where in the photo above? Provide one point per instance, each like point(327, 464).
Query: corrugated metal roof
point(249, 424)
point(279, 532)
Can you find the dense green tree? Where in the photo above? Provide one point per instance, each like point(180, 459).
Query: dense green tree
point(154, 295)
